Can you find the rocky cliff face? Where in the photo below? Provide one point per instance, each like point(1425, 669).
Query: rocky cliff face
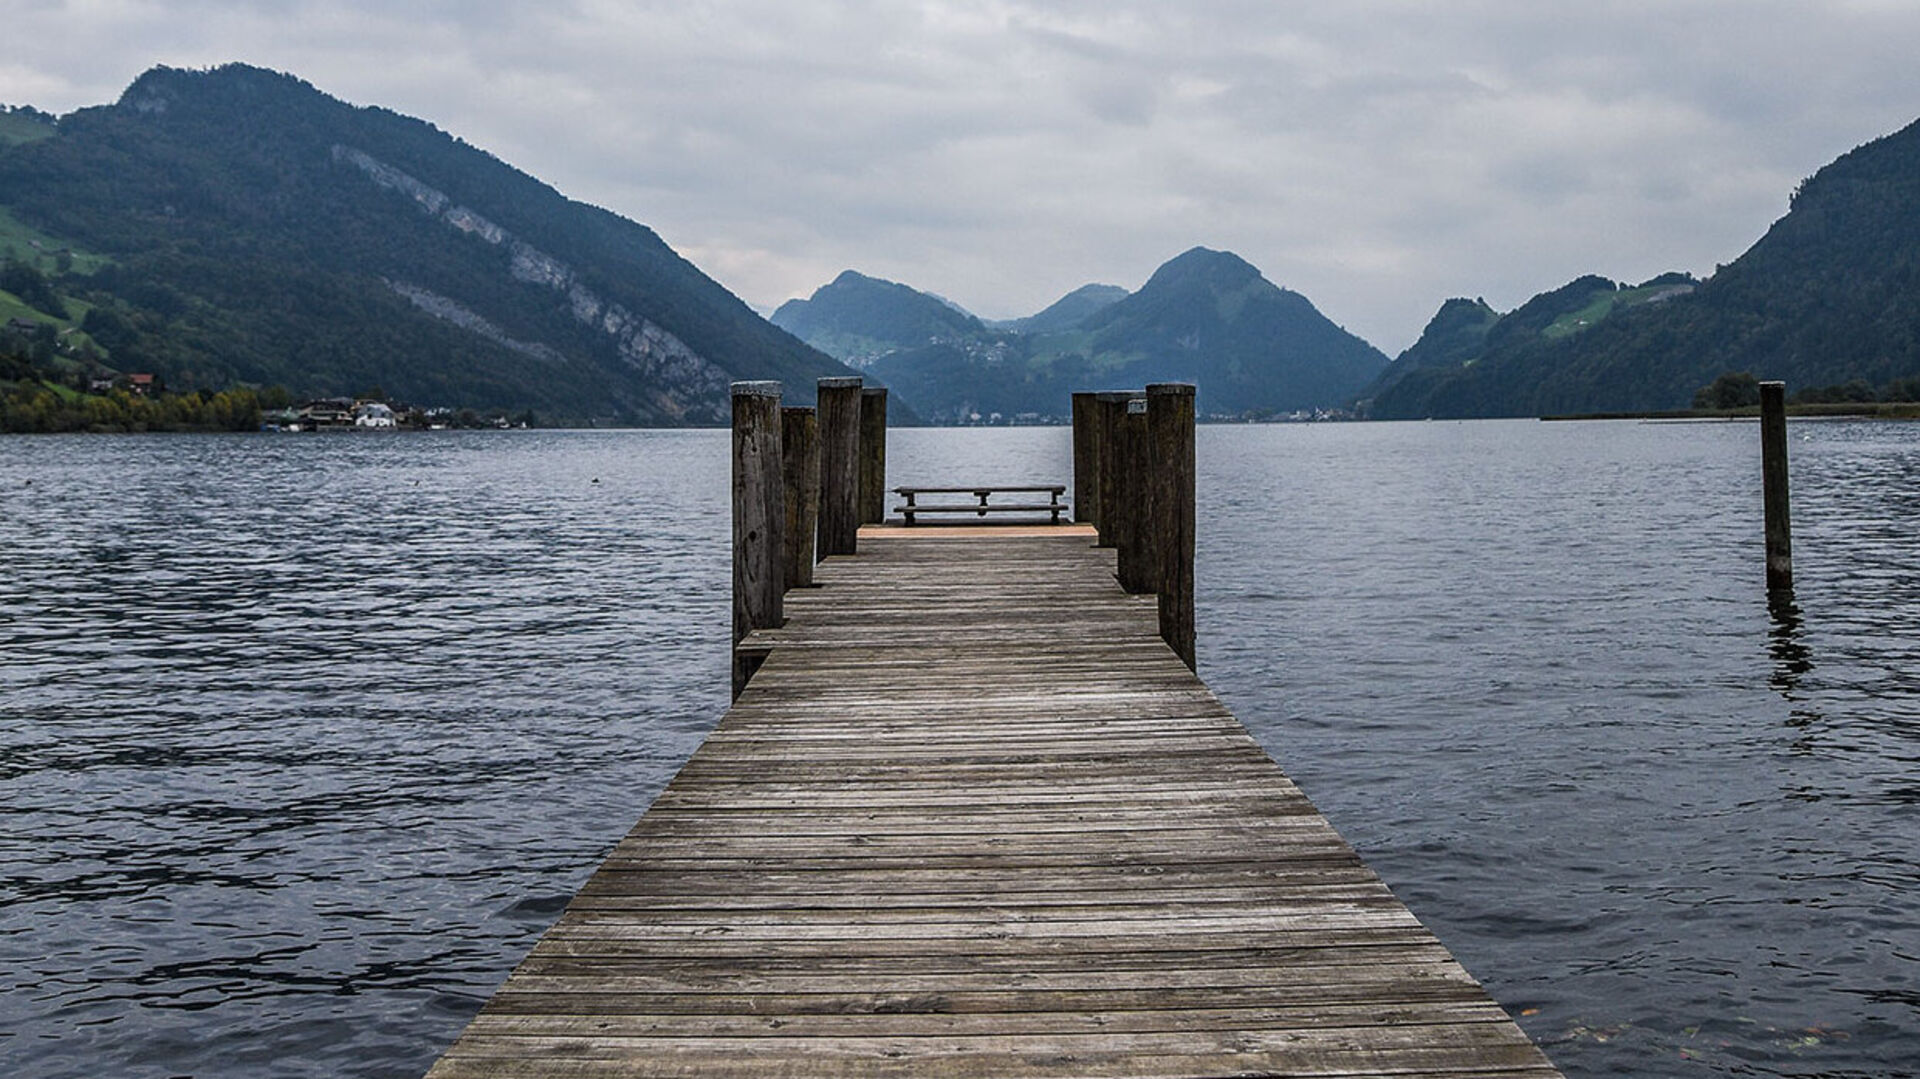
point(656, 354)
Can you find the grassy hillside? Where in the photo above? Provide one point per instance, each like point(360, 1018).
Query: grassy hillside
point(18, 126)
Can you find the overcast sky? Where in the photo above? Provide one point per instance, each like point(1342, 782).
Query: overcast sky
point(1376, 156)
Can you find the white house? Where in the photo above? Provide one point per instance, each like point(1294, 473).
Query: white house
point(373, 414)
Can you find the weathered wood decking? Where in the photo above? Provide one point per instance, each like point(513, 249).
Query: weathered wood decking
point(972, 818)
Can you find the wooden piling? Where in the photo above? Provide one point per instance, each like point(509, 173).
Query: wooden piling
point(1773, 470)
point(1086, 459)
point(1170, 510)
point(800, 465)
point(1109, 414)
point(873, 455)
point(759, 515)
point(1133, 535)
point(838, 415)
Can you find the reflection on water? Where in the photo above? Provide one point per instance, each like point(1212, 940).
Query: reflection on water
point(1532, 673)
point(1791, 659)
point(304, 740)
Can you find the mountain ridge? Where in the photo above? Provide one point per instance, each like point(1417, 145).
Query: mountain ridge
point(1205, 316)
point(1830, 294)
point(256, 230)
point(857, 318)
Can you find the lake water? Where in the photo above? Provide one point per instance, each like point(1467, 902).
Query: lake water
point(304, 740)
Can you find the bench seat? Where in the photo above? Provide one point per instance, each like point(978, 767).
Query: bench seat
point(983, 504)
point(997, 507)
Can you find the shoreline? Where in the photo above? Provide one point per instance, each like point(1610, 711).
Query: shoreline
point(1865, 410)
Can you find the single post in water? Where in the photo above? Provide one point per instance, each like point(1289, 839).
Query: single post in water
point(800, 466)
point(1773, 471)
point(1171, 509)
point(1086, 459)
point(759, 512)
point(838, 413)
point(873, 455)
point(1134, 539)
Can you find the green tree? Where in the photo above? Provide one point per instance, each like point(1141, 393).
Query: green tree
point(27, 282)
point(1734, 389)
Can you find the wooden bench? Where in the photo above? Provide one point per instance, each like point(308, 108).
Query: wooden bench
point(983, 504)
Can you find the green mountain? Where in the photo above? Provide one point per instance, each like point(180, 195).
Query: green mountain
point(1439, 373)
point(859, 318)
point(1069, 311)
point(1830, 295)
point(238, 225)
point(1210, 317)
point(1206, 316)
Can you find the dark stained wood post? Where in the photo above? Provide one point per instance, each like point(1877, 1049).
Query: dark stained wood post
point(838, 413)
point(1109, 415)
point(759, 516)
point(1133, 535)
point(873, 455)
point(1170, 509)
point(1773, 471)
point(1086, 459)
point(800, 466)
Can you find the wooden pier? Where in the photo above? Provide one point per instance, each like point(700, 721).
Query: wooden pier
point(971, 816)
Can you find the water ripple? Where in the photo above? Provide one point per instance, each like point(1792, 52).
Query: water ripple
point(305, 740)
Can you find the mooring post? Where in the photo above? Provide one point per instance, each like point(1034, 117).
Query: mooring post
point(838, 413)
point(1171, 510)
point(1111, 510)
point(759, 514)
point(873, 455)
point(1086, 459)
point(800, 468)
point(1133, 536)
point(1773, 471)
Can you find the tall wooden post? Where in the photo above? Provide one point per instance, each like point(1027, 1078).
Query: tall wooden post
point(1171, 510)
point(1133, 531)
point(873, 455)
point(800, 467)
point(1773, 471)
point(759, 514)
point(1086, 459)
point(1109, 416)
point(838, 412)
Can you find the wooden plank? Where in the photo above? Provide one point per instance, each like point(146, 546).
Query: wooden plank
point(973, 818)
point(532, 995)
point(1296, 1017)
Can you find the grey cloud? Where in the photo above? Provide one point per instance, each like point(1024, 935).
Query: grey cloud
point(1377, 156)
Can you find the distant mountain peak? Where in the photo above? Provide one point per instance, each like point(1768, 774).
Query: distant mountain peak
point(1205, 316)
point(1203, 266)
point(159, 88)
point(857, 318)
point(1069, 311)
